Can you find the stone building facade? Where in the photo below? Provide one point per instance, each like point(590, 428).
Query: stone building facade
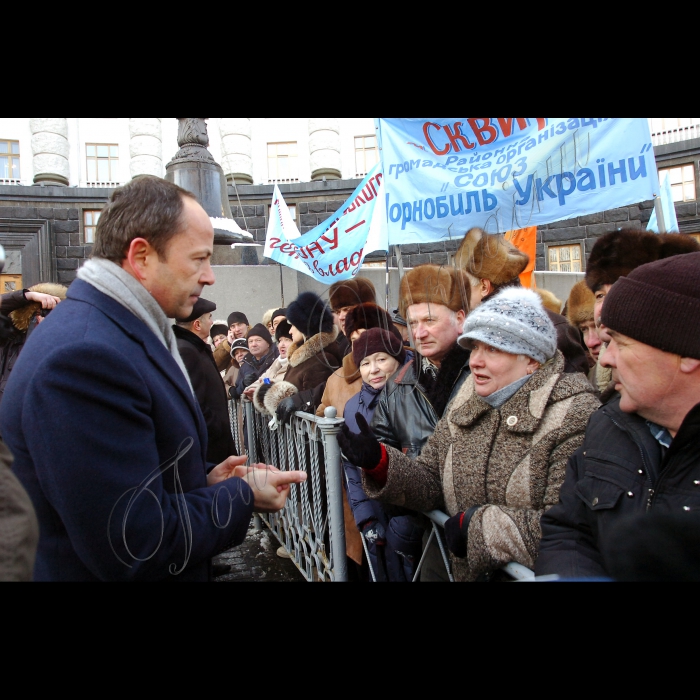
point(47, 227)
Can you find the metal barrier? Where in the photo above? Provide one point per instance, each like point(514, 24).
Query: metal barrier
point(311, 525)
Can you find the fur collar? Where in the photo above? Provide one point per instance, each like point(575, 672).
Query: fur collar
point(21, 318)
point(312, 347)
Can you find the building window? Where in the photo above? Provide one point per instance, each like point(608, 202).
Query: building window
point(282, 162)
point(682, 182)
point(565, 258)
point(366, 154)
point(102, 162)
point(90, 219)
point(9, 160)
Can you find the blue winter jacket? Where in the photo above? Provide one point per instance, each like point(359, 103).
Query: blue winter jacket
point(111, 446)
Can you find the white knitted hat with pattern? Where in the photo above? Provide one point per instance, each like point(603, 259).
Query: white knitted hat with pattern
point(514, 321)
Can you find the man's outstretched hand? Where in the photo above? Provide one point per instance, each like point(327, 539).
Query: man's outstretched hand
point(362, 450)
point(270, 486)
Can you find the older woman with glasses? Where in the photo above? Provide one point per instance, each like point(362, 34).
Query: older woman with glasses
point(497, 458)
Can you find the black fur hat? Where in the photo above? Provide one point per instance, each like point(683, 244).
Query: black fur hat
point(310, 315)
point(616, 254)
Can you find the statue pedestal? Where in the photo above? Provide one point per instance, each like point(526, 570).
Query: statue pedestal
point(194, 169)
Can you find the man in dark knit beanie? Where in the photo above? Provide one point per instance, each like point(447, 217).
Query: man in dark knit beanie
point(641, 452)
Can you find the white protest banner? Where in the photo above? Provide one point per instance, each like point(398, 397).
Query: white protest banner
point(334, 250)
point(444, 176)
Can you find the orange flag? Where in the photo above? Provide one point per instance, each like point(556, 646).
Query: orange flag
point(525, 239)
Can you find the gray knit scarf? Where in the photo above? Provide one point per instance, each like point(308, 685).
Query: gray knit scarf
point(112, 280)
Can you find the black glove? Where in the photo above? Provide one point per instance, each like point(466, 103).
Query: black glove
point(362, 450)
point(456, 532)
point(374, 533)
point(288, 407)
point(249, 379)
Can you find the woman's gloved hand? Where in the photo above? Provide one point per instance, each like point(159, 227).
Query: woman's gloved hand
point(363, 450)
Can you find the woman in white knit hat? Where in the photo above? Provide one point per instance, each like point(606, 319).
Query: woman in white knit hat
point(497, 458)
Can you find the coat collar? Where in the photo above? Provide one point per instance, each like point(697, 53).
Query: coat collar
point(135, 329)
point(312, 347)
point(527, 405)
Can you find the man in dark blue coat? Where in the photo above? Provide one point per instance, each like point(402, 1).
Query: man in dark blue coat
point(108, 438)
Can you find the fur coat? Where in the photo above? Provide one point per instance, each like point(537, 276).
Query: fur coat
point(509, 462)
point(313, 362)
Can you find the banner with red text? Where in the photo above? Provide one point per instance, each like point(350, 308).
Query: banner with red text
point(335, 249)
point(444, 176)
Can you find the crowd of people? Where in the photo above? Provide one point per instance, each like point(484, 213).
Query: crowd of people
point(562, 439)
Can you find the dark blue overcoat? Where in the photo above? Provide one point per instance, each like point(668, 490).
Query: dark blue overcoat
point(111, 446)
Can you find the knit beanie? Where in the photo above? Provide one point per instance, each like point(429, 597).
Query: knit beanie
point(261, 332)
point(284, 330)
point(658, 304)
point(218, 329)
point(279, 312)
point(513, 321)
point(377, 340)
point(237, 317)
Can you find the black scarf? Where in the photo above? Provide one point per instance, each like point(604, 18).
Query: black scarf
point(439, 390)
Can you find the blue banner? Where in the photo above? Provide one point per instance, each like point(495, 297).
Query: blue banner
point(335, 249)
point(444, 176)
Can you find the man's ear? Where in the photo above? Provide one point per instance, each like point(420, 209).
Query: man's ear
point(139, 256)
point(689, 365)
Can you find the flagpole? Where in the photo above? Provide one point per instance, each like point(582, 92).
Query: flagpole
point(387, 280)
point(660, 220)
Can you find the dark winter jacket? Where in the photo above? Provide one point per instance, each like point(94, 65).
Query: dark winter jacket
point(97, 411)
point(13, 344)
point(569, 342)
point(250, 367)
point(210, 392)
point(411, 404)
point(398, 559)
point(620, 470)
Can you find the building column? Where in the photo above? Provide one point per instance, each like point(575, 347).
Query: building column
point(50, 150)
point(236, 150)
point(146, 147)
point(324, 148)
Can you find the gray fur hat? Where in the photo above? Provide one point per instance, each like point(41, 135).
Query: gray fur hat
point(514, 321)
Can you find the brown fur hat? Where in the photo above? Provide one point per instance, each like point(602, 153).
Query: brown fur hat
point(369, 316)
point(351, 293)
point(489, 256)
point(21, 318)
point(580, 304)
point(616, 254)
point(549, 301)
point(434, 284)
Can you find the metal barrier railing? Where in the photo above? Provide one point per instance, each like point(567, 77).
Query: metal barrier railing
point(311, 525)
